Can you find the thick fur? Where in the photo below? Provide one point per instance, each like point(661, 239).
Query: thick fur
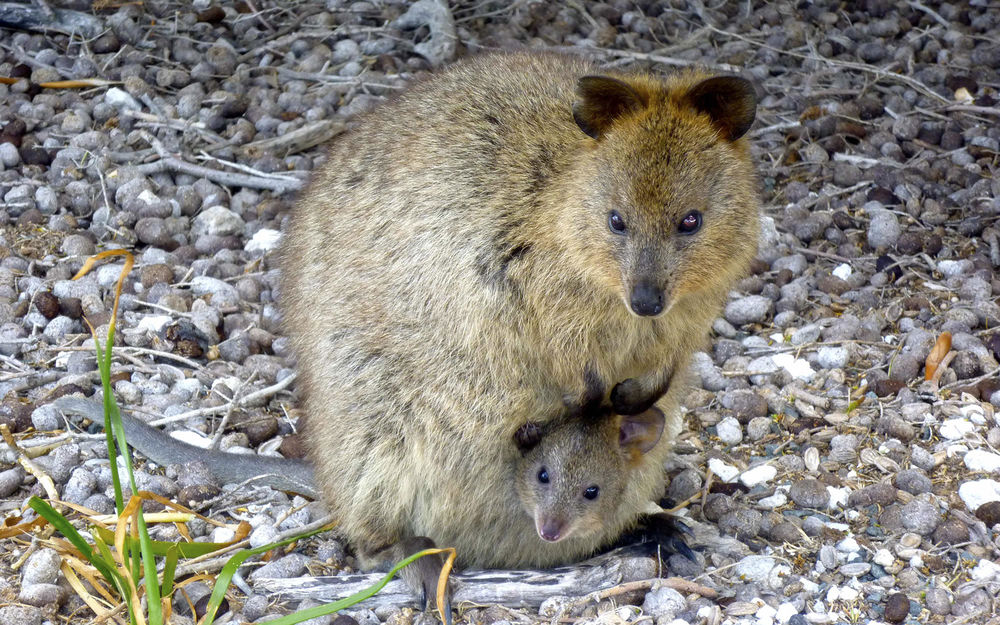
point(449, 274)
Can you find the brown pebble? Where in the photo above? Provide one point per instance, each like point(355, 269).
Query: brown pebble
point(15, 413)
point(897, 607)
point(30, 217)
point(71, 307)
point(832, 284)
point(212, 15)
point(951, 532)
point(153, 274)
point(47, 304)
point(343, 619)
point(933, 244)
point(881, 493)
point(257, 426)
point(35, 155)
point(197, 493)
point(68, 389)
point(886, 387)
point(909, 243)
point(989, 513)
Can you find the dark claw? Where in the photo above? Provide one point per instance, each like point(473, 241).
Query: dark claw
point(663, 531)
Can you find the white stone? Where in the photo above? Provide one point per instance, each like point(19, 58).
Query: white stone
point(798, 368)
point(725, 472)
point(758, 475)
point(729, 431)
point(120, 99)
point(977, 492)
point(956, 429)
point(218, 221)
point(264, 240)
point(842, 271)
point(838, 497)
point(883, 558)
point(974, 412)
point(775, 501)
point(222, 535)
point(192, 438)
point(785, 612)
point(848, 545)
point(982, 460)
point(153, 323)
point(985, 571)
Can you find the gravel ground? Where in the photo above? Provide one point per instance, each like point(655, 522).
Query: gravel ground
point(844, 488)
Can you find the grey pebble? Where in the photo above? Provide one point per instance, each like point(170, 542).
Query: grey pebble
point(684, 485)
point(745, 404)
point(813, 526)
point(809, 493)
point(264, 534)
point(58, 327)
point(216, 221)
point(10, 481)
point(664, 603)
point(758, 428)
point(20, 615)
point(806, 334)
point(46, 418)
point(796, 263)
point(743, 523)
point(977, 601)
point(921, 458)
point(41, 567)
point(920, 516)
point(80, 486)
point(255, 606)
point(833, 357)
point(883, 229)
point(8, 332)
point(292, 565)
point(749, 309)
point(235, 349)
point(41, 595)
point(937, 601)
point(828, 557)
point(222, 293)
point(9, 155)
point(913, 481)
point(855, 569)
point(729, 431)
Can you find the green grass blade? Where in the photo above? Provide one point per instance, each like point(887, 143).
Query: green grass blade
point(358, 597)
point(59, 522)
point(169, 568)
point(226, 575)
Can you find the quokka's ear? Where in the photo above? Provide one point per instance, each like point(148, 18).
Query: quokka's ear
point(527, 437)
point(641, 432)
point(601, 100)
point(730, 101)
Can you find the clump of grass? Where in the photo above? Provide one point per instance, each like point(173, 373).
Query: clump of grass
point(122, 566)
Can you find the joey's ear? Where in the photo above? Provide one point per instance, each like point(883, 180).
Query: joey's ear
point(729, 100)
point(641, 432)
point(527, 436)
point(601, 100)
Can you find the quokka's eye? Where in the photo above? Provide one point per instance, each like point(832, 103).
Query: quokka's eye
point(591, 492)
point(543, 475)
point(616, 222)
point(691, 223)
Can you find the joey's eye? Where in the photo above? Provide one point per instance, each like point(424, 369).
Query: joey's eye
point(691, 223)
point(616, 222)
point(591, 492)
point(543, 475)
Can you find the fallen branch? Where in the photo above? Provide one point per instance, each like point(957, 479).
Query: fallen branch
point(509, 588)
point(42, 18)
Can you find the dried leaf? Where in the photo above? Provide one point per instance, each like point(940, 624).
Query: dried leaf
point(77, 84)
point(941, 349)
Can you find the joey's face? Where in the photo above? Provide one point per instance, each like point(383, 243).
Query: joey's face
point(572, 481)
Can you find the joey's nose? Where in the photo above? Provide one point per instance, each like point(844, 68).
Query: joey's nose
point(550, 530)
point(647, 300)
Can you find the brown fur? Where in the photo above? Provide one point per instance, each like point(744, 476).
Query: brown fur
point(450, 270)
